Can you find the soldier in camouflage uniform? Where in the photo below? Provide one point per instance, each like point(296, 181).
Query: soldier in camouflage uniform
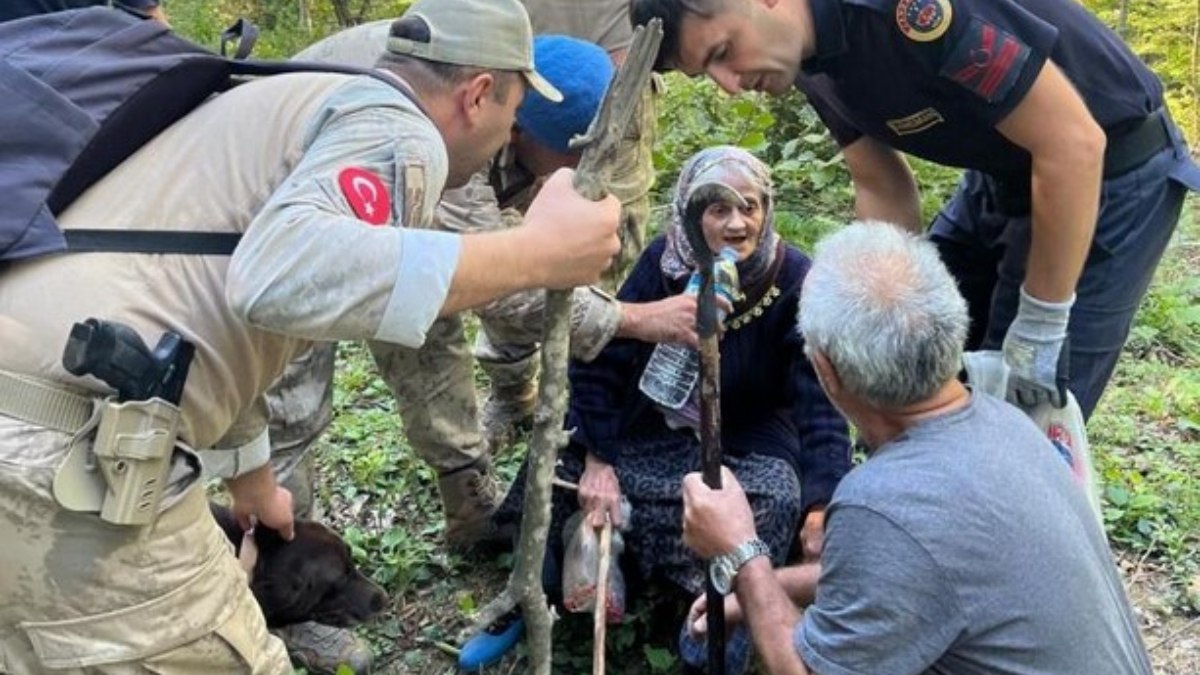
point(511, 361)
point(607, 23)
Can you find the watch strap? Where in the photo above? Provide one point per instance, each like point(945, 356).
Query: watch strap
point(747, 551)
point(724, 568)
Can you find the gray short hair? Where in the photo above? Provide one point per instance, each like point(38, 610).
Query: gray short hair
point(881, 306)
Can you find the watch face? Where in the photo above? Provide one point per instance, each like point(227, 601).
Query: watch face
point(723, 568)
point(721, 574)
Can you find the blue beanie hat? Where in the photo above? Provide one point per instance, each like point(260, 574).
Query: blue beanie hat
point(581, 71)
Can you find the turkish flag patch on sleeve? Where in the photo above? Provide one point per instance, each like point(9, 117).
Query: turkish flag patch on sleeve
point(987, 60)
point(366, 194)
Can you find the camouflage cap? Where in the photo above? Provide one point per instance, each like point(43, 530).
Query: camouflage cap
point(483, 33)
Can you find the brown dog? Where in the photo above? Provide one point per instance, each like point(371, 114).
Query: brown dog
point(310, 578)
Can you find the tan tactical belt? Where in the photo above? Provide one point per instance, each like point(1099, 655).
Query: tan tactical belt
point(119, 458)
point(43, 403)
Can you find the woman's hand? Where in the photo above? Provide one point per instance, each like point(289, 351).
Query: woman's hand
point(812, 535)
point(600, 492)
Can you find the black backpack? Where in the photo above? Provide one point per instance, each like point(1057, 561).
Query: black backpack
point(81, 91)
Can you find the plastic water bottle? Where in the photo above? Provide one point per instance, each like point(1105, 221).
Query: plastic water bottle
point(673, 370)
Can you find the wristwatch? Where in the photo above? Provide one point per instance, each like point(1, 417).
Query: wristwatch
point(723, 568)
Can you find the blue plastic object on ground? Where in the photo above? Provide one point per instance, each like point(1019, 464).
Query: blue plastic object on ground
point(492, 644)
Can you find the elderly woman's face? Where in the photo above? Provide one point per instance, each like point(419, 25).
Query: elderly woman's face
point(739, 227)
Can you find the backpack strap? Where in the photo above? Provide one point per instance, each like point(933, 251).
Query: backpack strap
point(243, 34)
point(213, 243)
point(151, 241)
point(258, 68)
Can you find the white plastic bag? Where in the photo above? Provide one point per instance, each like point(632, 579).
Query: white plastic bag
point(1064, 427)
point(581, 568)
point(987, 372)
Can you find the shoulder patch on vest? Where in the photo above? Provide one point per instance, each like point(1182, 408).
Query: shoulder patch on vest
point(915, 123)
point(414, 195)
point(987, 60)
point(923, 20)
point(366, 194)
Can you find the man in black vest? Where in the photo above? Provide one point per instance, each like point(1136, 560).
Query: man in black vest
point(1075, 172)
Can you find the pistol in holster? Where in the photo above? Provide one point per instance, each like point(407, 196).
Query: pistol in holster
point(137, 429)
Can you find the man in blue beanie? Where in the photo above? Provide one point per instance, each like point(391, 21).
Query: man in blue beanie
point(582, 69)
point(434, 385)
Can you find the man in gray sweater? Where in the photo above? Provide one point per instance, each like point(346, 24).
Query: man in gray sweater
point(961, 545)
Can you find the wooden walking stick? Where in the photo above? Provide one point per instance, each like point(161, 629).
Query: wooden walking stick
point(600, 610)
point(710, 384)
point(591, 176)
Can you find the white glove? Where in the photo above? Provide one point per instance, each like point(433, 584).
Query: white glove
point(1032, 349)
point(987, 372)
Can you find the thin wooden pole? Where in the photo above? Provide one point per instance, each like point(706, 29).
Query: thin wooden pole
point(710, 384)
point(600, 611)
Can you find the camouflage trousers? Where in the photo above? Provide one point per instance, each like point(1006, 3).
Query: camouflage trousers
point(434, 388)
point(300, 407)
point(79, 595)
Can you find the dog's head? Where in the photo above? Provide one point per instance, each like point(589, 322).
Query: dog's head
point(310, 578)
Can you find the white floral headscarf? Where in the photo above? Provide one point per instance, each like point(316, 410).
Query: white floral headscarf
point(678, 260)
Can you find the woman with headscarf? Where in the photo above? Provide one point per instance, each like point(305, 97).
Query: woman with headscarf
point(782, 438)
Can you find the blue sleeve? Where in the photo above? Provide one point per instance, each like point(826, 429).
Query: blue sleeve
point(824, 456)
point(143, 5)
point(604, 389)
point(882, 603)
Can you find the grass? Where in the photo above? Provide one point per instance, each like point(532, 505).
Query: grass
point(1146, 432)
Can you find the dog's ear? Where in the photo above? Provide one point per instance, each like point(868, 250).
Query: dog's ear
point(292, 578)
point(287, 582)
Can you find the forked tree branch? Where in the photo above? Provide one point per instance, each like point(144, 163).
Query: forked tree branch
point(591, 178)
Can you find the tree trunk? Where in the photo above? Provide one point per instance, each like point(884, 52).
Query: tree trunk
point(1195, 82)
point(341, 12)
point(363, 10)
point(305, 17)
